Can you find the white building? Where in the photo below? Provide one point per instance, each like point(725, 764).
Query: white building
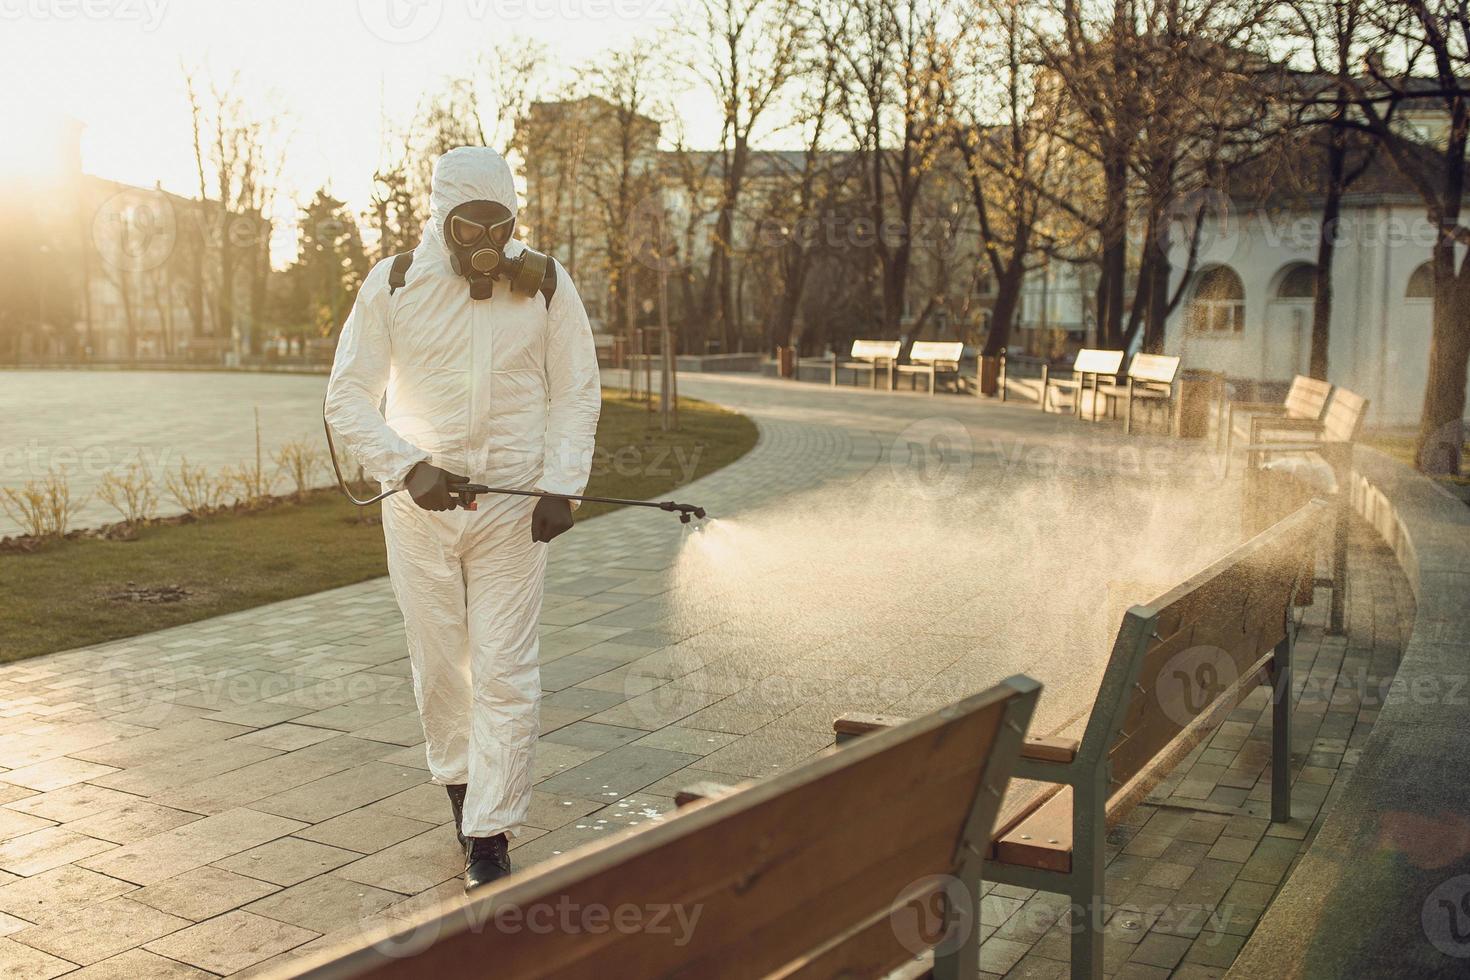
point(1248, 308)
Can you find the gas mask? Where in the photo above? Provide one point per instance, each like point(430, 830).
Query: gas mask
point(476, 233)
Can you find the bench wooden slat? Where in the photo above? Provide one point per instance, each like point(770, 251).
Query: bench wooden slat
point(928, 351)
point(1155, 368)
point(772, 880)
point(1044, 839)
point(871, 350)
point(1092, 361)
point(1045, 749)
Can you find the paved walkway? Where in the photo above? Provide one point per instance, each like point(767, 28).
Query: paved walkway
point(223, 796)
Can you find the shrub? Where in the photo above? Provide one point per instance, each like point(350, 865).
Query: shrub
point(43, 508)
point(130, 492)
point(248, 482)
point(193, 489)
point(299, 461)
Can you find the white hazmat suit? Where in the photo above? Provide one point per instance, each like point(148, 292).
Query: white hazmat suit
point(506, 392)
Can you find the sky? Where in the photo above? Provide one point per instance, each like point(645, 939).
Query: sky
point(330, 72)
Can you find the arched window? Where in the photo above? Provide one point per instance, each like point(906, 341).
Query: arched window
point(1421, 283)
point(1300, 282)
point(1218, 305)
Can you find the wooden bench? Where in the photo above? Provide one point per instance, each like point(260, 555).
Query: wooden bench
point(1150, 379)
point(1178, 666)
point(1305, 399)
point(866, 355)
point(771, 885)
point(933, 359)
point(1089, 363)
point(1317, 455)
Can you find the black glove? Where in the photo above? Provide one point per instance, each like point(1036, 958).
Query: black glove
point(429, 486)
point(551, 517)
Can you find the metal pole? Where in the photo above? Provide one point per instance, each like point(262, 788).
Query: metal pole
point(666, 388)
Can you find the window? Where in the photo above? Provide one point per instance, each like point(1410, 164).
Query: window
point(1218, 305)
point(1421, 283)
point(1300, 282)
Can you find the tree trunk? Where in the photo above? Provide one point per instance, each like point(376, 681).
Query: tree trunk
point(1441, 438)
point(1326, 247)
point(1114, 252)
point(1003, 313)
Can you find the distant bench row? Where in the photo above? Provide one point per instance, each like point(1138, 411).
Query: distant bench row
point(868, 860)
point(939, 361)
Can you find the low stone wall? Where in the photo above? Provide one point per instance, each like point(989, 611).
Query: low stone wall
point(1384, 889)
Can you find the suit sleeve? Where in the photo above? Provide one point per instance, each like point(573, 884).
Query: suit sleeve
point(359, 378)
point(574, 391)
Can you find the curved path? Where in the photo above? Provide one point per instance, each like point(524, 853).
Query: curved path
point(221, 796)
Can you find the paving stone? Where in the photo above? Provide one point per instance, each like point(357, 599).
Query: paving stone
point(287, 861)
point(131, 822)
point(62, 891)
point(14, 823)
point(410, 866)
point(287, 736)
point(230, 942)
point(618, 773)
point(340, 792)
point(55, 773)
point(21, 962)
point(367, 829)
point(43, 850)
point(590, 735)
point(192, 846)
point(203, 893)
point(112, 927)
point(70, 802)
point(325, 903)
point(136, 963)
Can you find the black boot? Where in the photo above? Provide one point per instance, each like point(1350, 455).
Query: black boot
point(456, 793)
point(487, 859)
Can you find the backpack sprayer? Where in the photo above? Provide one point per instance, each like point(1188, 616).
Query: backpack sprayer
point(465, 493)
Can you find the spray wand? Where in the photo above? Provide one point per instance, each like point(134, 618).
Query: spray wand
point(465, 493)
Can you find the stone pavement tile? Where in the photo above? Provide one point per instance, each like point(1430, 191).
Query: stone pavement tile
point(325, 903)
point(111, 927)
point(55, 773)
point(9, 793)
point(46, 849)
point(577, 669)
point(1269, 862)
point(576, 703)
point(61, 891)
point(70, 802)
point(230, 942)
point(551, 758)
point(722, 717)
point(767, 751)
point(618, 773)
point(340, 792)
point(287, 736)
point(21, 962)
point(271, 776)
point(652, 710)
point(411, 866)
point(78, 741)
point(287, 861)
point(162, 743)
point(185, 767)
point(136, 963)
point(261, 714)
point(192, 846)
point(13, 823)
point(351, 717)
point(1217, 949)
point(404, 729)
point(131, 822)
point(426, 803)
point(549, 811)
point(202, 893)
point(592, 735)
point(1237, 849)
point(410, 755)
point(1160, 950)
point(675, 781)
point(692, 741)
point(366, 830)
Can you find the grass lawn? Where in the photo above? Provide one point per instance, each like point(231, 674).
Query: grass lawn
point(60, 596)
point(1401, 448)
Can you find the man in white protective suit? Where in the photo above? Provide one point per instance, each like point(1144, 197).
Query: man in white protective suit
point(484, 353)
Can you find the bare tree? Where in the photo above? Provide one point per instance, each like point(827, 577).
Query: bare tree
point(1430, 40)
point(745, 52)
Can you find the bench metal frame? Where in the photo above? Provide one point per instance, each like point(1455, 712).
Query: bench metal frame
point(1083, 367)
point(856, 361)
point(928, 357)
